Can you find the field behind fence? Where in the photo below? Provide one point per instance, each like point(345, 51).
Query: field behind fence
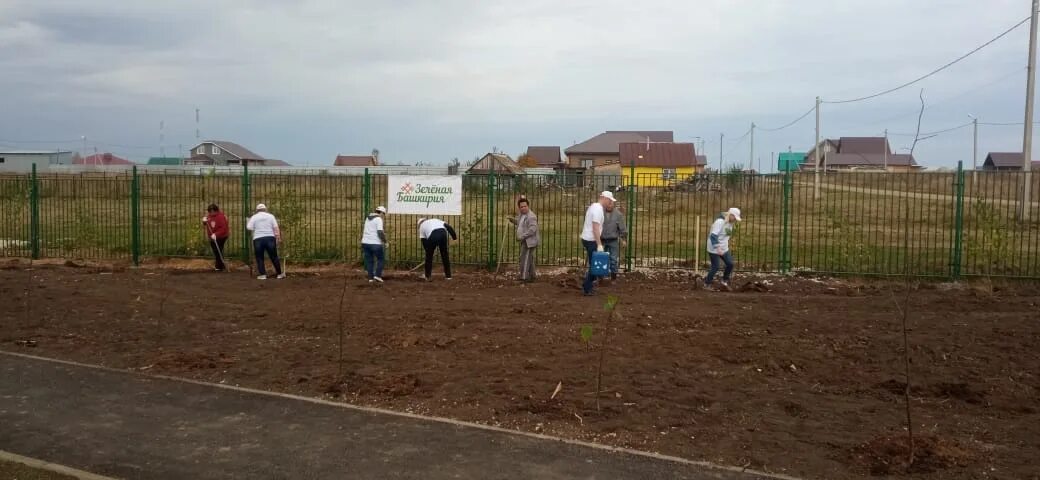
point(960, 223)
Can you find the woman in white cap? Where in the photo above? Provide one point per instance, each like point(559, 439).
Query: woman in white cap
point(266, 238)
point(718, 246)
point(373, 242)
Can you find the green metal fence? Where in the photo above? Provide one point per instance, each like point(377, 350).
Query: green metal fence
point(937, 224)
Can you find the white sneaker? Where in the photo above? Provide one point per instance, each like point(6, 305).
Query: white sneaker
point(378, 279)
point(370, 280)
point(280, 275)
point(262, 277)
point(447, 278)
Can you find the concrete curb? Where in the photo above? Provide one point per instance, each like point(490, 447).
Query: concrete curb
point(51, 467)
point(459, 423)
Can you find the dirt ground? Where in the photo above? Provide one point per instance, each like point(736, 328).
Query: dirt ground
point(19, 471)
point(790, 375)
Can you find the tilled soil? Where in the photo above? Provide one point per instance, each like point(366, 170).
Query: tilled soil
point(788, 375)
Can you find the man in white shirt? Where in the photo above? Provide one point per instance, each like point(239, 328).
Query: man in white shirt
point(434, 235)
point(591, 235)
point(718, 246)
point(266, 237)
point(373, 240)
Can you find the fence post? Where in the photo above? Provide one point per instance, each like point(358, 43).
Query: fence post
point(491, 220)
point(34, 212)
point(245, 212)
point(785, 224)
point(631, 216)
point(958, 224)
point(135, 217)
point(366, 188)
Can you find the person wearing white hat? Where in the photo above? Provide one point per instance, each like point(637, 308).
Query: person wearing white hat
point(718, 246)
point(266, 237)
point(373, 242)
point(591, 235)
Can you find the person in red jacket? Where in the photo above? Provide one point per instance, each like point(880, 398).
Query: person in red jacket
point(217, 229)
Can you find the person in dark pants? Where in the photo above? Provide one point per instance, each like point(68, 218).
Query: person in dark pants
point(266, 237)
point(615, 236)
point(591, 236)
point(434, 235)
point(217, 229)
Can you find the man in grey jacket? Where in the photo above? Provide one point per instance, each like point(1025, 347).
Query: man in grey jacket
point(527, 234)
point(615, 236)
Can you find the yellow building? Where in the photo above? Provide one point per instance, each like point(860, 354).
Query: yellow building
point(658, 164)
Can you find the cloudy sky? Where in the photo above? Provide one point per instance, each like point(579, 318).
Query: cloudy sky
point(431, 80)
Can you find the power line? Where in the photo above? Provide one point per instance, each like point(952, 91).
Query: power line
point(946, 100)
point(931, 134)
point(1004, 124)
point(792, 122)
point(738, 141)
point(40, 141)
point(933, 72)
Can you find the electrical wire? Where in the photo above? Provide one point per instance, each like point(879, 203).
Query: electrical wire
point(933, 72)
point(946, 100)
point(792, 122)
point(1004, 124)
point(738, 141)
point(931, 134)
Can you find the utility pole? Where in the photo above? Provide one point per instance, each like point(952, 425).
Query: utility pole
point(1027, 136)
point(975, 154)
point(751, 157)
point(886, 150)
point(816, 154)
point(162, 140)
point(196, 124)
point(83, 152)
point(721, 136)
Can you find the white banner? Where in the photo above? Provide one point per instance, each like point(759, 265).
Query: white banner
point(424, 194)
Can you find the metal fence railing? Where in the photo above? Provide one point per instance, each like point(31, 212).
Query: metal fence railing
point(937, 224)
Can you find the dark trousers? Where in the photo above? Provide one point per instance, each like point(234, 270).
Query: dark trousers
point(269, 245)
point(375, 256)
point(438, 240)
point(715, 259)
point(527, 262)
point(613, 247)
point(218, 252)
point(590, 248)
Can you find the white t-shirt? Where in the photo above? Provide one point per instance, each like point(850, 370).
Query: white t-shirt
point(593, 215)
point(262, 224)
point(373, 225)
point(427, 227)
point(722, 231)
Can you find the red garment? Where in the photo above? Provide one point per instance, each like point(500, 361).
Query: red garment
point(218, 224)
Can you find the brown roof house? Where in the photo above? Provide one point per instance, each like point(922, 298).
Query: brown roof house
point(604, 148)
point(546, 157)
point(109, 159)
point(1007, 161)
point(499, 163)
point(223, 153)
point(356, 161)
point(859, 153)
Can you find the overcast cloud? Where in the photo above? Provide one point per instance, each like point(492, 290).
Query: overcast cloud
point(428, 81)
